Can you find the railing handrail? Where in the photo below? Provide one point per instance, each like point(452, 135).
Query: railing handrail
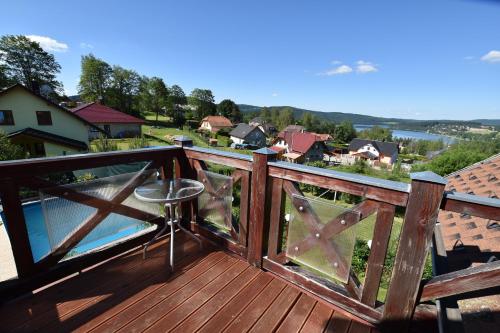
point(16, 168)
point(350, 177)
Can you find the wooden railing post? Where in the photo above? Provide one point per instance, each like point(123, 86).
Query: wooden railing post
point(183, 169)
point(258, 200)
point(416, 235)
point(16, 228)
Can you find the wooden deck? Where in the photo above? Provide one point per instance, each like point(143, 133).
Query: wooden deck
point(210, 291)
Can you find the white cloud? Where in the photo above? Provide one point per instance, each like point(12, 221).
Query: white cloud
point(492, 56)
point(365, 67)
point(274, 94)
point(342, 69)
point(336, 62)
point(49, 44)
point(84, 45)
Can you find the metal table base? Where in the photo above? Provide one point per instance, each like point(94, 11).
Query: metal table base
point(170, 220)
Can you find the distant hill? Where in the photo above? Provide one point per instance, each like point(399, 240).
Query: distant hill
point(355, 118)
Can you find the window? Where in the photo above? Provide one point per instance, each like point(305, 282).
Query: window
point(107, 129)
point(39, 149)
point(6, 117)
point(44, 118)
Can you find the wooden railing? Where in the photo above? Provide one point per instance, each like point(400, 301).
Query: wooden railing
point(32, 174)
point(258, 237)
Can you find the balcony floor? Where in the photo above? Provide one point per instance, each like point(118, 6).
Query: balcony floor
point(210, 291)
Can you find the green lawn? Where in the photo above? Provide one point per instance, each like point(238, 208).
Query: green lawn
point(152, 116)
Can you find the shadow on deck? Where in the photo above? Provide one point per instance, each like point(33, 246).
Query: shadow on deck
point(210, 291)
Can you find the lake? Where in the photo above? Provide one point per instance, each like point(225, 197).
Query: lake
point(410, 134)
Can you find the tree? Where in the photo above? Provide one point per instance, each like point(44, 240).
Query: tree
point(153, 95)
point(5, 81)
point(124, 89)
point(265, 114)
point(310, 122)
point(285, 118)
point(203, 102)
point(229, 109)
point(25, 62)
point(8, 150)
point(177, 95)
point(95, 79)
point(345, 132)
point(376, 133)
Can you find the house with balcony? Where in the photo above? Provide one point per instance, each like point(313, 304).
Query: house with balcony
point(300, 147)
point(282, 264)
point(215, 123)
point(376, 152)
point(40, 126)
point(114, 123)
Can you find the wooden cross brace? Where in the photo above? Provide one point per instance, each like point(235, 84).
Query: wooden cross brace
point(218, 202)
point(104, 209)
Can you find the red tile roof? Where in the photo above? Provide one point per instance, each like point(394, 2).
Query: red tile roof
point(218, 121)
point(298, 142)
point(96, 113)
point(472, 241)
point(469, 239)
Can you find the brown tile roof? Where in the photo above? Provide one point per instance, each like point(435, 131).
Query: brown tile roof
point(471, 241)
point(218, 121)
point(468, 239)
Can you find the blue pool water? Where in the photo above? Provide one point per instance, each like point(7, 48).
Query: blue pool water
point(112, 229)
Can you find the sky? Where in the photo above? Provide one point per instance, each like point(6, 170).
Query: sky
point(406, 59)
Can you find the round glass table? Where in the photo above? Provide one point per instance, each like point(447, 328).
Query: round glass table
point(170, 192)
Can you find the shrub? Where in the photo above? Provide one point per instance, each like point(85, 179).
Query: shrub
point(103, 144)
point(138, 142)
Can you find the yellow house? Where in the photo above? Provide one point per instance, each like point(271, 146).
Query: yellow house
point(40, 126)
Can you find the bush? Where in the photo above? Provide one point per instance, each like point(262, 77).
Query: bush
point(138, 142)
point(360, 256)
point(103, 144)
point(8, 150)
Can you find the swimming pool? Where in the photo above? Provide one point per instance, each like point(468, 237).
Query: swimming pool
point(112, 229)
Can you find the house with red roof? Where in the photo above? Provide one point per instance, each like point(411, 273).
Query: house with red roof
point(115, 123)
point(215, 123)
point(300, 147)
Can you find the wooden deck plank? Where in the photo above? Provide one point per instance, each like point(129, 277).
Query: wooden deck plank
point(359, 328)
point(157, 311)
point(297, 315)
point(256, 308)
point(232, 309)
point(104, 319)
point(238, 272)
point(272, 318)
point(318, 319)
point(203, 314)
point(78, 298)
point(210, 291)
point(338, 324)
point(34, 305)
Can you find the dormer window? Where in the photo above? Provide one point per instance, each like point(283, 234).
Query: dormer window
point(44, 118)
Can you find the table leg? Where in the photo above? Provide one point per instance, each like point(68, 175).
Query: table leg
point(161, 232)
point(172, 233)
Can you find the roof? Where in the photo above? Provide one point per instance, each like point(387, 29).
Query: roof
point(277, 149)
point(462, 231)
point(471, 241)
point(258, 120)
point(292, 156)
point(323, 137)
point(97, 113)
point(386, 148)
point(294, 128)
point(243, 130)
point(48, 101)
point(46, 136)
point(218, 121)
point(299, 142)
